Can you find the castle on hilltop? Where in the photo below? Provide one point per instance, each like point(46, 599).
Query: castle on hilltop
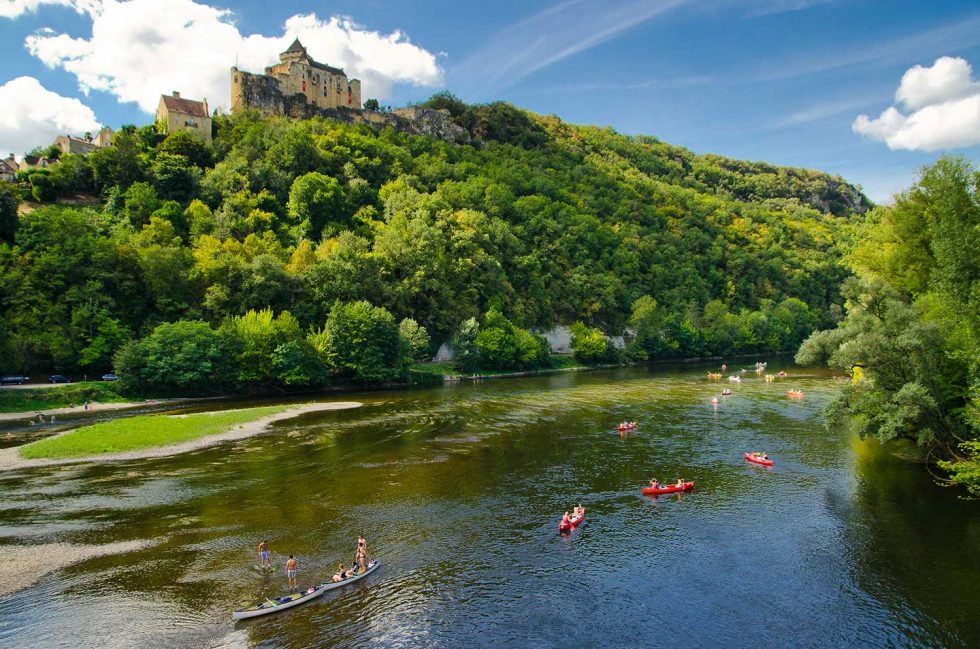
point(296, 86)
point(302, 88)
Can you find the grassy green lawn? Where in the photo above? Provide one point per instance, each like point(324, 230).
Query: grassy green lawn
point(136, 433)
point(59, 396)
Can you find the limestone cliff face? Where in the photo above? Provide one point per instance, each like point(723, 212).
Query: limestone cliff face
point(262, 93)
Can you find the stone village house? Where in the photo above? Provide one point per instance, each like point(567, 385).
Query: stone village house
point(177, 114)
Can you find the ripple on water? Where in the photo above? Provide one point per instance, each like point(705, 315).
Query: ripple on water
point(460, 490)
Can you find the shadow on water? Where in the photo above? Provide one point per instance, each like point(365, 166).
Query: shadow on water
point(459, 489)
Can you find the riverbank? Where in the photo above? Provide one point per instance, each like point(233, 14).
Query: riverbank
point(93, 406)
point(17, 399)
point(153, 436)
point(451, 374)
point(24, 565)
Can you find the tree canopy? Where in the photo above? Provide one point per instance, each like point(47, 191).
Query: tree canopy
point(911, 336)
point(535, 222)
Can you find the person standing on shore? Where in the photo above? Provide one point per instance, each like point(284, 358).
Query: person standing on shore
point(291, 566)
point(264, 555)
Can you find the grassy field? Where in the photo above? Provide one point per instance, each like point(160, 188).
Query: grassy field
point(136, 433)
point(59, 396)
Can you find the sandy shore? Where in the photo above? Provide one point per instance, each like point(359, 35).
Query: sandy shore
point(92, 407)
point(11, 459)
point(24, 565)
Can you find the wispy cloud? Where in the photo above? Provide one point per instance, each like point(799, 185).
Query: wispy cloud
point(823, 110)
point(551, 35)
point(769, 7)
point(648, 84)
point(949, 38)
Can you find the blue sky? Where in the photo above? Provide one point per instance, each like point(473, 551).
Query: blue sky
point(778, 80)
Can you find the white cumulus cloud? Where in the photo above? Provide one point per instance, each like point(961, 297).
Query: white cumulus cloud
point(14, 8)
point(33, 115)
point(139, 49)
point(943, 109)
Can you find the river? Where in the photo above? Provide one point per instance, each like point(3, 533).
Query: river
point(459, 490)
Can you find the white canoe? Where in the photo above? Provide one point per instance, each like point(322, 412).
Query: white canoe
point(371, 566)
point(268, 606)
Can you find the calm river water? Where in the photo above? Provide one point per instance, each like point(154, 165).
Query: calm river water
point(459, 491)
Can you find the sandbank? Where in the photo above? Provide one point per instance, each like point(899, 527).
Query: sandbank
point(10, 458)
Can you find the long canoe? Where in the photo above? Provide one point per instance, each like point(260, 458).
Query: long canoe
point(267, 606)
point(668, 489)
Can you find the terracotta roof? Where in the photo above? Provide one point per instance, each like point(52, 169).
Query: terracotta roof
point(184, 106)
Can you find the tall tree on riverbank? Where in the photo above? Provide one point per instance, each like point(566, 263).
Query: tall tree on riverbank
point(913, 323)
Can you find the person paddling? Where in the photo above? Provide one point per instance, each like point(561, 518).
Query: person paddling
point(655, 483)
point(264, 562)
point(291, 566)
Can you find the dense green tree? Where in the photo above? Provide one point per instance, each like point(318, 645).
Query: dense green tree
point(254, 339)
point(465, 352)
point(121, 164)
point(141, 201)
point(174, 177)
point(590, 345)
point(361, 341)
point(314, 201)
point(416, 340)
point(188, 145)
point(8, 212)
point(185, 357)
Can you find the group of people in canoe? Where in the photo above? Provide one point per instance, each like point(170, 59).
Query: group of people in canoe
point(657, 485)
point(627, 425)
point(358, 565)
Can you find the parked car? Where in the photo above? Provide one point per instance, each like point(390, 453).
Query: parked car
point(110, 377)
point(59, 378)
point(14, 379)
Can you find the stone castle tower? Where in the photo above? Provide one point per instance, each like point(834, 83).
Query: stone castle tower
point(296, 78)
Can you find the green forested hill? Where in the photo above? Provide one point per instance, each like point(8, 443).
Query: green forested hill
point(540, 221)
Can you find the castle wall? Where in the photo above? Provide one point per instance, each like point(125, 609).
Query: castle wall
point(262, 93)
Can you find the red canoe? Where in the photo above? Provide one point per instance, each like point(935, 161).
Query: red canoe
point(668, 489)
point(573, 522)
point(757, 460)
point(630, 427)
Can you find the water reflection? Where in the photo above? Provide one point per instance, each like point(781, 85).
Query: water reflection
point(460, 489)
